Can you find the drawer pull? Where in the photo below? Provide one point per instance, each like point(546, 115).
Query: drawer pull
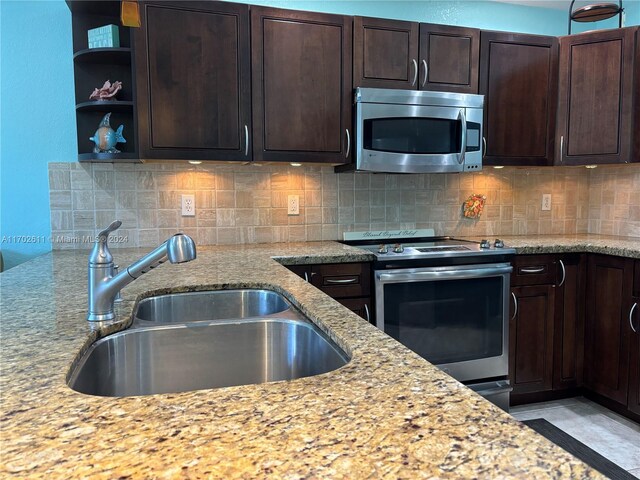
point(306, 277)
point(515, 303)
point(631, 317)
point(564, 273)
point(346, 280)
point(532, 270)
point(366, 312)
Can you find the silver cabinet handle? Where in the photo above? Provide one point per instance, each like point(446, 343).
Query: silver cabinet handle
point(415, 71)
point(532, 270)
point(515, 303)
point(561, 147)
point(631, 317)
point(348, 143)
point(426, 72)
point(564, 273)
point(484, 144)
point(246, 140)
point(306, 277)
point(366, 312)
point(463, 138)
point(346, 280)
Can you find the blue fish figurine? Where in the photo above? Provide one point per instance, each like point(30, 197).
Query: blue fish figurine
point(106, 138)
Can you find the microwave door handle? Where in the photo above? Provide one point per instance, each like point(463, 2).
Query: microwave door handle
point(463, 137)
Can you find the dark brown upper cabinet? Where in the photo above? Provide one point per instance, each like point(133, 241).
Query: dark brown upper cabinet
point(636, 120)
point(301, 67)
point(193, 81)
point(595, 112)
point(449, 57)
point(413, 56)
point(519, 78)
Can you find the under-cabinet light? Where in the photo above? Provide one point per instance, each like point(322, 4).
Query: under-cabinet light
point(295, 164)
point(498, 166)
point(195, 162)
point(591, 166)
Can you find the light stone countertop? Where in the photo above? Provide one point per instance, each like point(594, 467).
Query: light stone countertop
point(386, 414)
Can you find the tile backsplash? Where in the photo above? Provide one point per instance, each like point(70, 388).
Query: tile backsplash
point(248, 204)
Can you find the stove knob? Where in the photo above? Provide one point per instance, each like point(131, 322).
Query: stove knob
point(498, 243)
point(485, 244)
point(398, 248)
point(383, 248)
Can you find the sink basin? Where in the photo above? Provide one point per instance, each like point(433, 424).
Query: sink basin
point(209, 305)
point(184, 342)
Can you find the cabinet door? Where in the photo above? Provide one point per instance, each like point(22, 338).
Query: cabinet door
point(360, 306)
point(192, 75)
point(385, 53)
point(519, 78)
point(449, 58)
point(633, 402)
point(531, 339)
point(301, 67)
point(568, 351)
point(607, 329)
point(596, 97)
point(303, 271)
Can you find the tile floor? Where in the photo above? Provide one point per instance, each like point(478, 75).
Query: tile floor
point(602, 430)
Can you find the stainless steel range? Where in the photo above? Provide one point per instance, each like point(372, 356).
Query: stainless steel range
point(447, 300)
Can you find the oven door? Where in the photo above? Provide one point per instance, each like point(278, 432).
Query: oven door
point(455, 317)
point(416, 139)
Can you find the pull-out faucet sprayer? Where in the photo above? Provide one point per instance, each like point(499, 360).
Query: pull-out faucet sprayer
point(104, 284)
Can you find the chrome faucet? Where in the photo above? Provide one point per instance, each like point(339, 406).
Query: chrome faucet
point(105, 283)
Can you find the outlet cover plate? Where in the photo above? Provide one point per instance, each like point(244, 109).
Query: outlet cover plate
point(293, 205)
point(188, 205)
point(546, 201)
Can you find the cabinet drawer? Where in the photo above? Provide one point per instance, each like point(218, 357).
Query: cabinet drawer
point(340, 280)
point(534, 270)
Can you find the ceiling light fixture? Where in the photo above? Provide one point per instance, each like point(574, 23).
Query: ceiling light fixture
point(595, 12)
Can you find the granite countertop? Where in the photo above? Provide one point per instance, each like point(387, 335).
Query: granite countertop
point(583, 243)
point(386, 414)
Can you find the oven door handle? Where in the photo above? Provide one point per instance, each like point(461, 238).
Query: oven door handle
point(428, 275)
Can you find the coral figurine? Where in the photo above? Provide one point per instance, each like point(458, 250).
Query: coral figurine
point(108, 91)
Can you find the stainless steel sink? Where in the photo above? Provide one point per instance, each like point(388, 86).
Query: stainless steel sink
point(178, 345)
point(210, 305)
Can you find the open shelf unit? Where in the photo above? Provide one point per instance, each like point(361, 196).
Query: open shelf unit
point(92, 67)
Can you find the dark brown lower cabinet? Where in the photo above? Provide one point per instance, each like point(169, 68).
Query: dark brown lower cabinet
point(633, 401)
point(360, 306)
point(531, 339)
point(607, 329)
point(348, 283)
point(568, 339)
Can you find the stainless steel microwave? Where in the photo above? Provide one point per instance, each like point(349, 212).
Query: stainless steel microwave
point(410, 131)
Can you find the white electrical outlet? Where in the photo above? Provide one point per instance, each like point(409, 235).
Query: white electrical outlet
point(188, 204)
point(546, 201)
point(293, 205)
